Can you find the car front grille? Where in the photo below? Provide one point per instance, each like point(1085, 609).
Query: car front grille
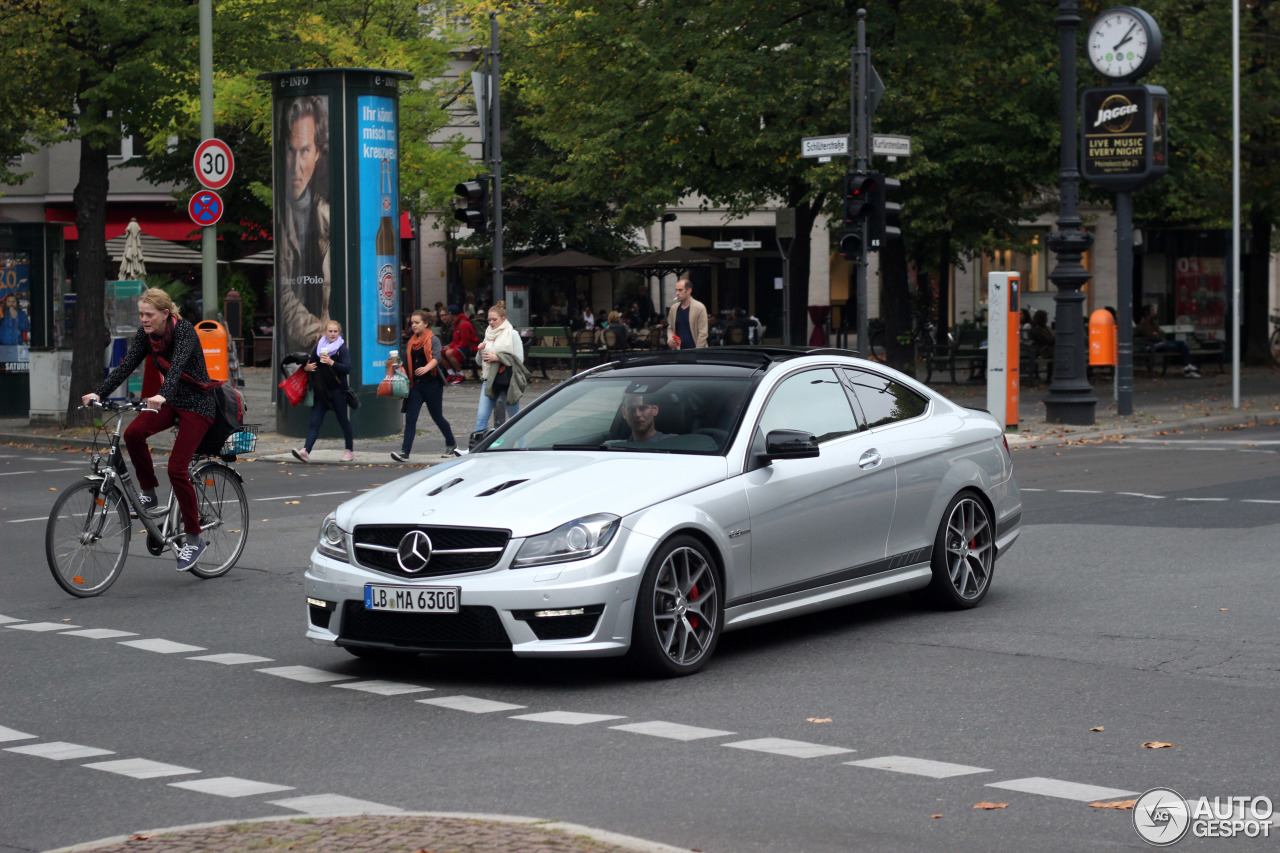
point(453, 549)
point(474, 628)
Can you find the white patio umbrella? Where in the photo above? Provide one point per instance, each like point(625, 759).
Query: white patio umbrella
point(132, 267)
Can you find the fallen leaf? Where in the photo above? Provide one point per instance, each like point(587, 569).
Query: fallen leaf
point(52, 489)
point(140, 837)
point(1098, 729)
point(1223, 609)
point(989, 806)
point(293, 502)
point(1118, 804)
point(819, 720)
point(1156, 744)
point(934, 816)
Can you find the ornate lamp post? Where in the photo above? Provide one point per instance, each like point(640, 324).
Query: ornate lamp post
point(1070, 399)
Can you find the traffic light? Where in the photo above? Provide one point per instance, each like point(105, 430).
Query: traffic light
point(475, 215)
point(886, 213)
point(859, 189)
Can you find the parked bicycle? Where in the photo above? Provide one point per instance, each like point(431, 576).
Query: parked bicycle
point(87, 537)
point(921, 339)
point(1274, 343)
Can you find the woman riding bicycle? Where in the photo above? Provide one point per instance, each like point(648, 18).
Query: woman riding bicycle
point(184, 399)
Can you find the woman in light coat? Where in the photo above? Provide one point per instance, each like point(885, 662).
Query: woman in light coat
point(500, 349)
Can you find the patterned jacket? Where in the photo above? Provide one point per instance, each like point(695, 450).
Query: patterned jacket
point(187, 357)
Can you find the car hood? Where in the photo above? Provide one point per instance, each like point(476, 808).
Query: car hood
point(532, 492)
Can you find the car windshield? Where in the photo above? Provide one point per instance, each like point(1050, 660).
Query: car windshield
point(632, 414)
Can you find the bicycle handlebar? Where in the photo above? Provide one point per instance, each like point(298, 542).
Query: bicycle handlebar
point(114, 406)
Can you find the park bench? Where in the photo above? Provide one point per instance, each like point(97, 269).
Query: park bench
point(965, 353)
point(549, 343)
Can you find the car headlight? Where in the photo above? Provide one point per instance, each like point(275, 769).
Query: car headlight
point(577, 540)
point(333, 540)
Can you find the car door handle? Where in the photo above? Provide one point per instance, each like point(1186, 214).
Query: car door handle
point(870, 459)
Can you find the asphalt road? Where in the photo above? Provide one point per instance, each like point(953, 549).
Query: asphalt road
point(1140, 600)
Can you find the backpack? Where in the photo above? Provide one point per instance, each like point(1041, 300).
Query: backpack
point(228, 416)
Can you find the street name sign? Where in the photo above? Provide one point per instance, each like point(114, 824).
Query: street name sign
point(891, 146)
point(214, 164)
point(736, 245)
point(824, 146)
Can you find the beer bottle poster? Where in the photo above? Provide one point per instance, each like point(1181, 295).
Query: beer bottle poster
point(379, 229)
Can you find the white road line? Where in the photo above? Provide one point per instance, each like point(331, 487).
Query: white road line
point(327, 494)
point(1080, 492)
point(918, 766)
point(42, 626)
point(278, 498)
point(334, 804)
point(230, 786)
point(232, 658)
point(568, 718)
point(673, 731)
point(1239, 442)
point(793, 748)
point(1062, 790)
point(308, 674)
point(26, 520)
point(1141, 495)
point(1257, 501)
point(5, 620)
point(140, 768)
point(7, 734)
point(59, 750)
point(14, 473)
point(163, 647)
point(384, 688)
point(100, 633)
point(1031, 490)
point(471, 704)
point(1204, 500)
point(60, 470)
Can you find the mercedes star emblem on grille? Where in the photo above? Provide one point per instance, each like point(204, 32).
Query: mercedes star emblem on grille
point(414, 551)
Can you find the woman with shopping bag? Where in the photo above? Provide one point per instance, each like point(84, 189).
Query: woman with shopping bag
point(501, 358)
point(327, 369)
point(426, 385)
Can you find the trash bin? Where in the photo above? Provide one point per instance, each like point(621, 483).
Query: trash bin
point(213, 340)
point(1102, 339)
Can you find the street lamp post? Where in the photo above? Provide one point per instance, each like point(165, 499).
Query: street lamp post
point(1070, 399)
point(662, 278)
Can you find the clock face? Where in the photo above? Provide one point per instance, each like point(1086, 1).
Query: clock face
point(1121, 42)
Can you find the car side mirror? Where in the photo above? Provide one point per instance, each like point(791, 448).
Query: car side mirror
point(477, 437)
point(790, 444)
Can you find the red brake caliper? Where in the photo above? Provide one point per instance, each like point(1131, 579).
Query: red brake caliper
point(693, 596)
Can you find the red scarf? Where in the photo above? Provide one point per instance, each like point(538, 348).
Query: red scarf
point(423, 342)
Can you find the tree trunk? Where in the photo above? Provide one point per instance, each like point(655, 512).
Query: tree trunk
point(91, 337)
point(1256, 293)
point(798, 304)
point(943, 320)
point(895, 305)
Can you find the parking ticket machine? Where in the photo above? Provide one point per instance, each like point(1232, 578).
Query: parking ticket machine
point(1003, 347)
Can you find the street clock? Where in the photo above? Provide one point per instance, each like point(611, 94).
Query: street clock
point(1123, 43)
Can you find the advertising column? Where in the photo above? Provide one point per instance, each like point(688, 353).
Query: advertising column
point(336, 181)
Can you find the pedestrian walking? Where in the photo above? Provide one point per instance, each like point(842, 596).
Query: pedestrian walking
point(328, 366)
point(426, 385)
point(686, 319)
point(503, 374)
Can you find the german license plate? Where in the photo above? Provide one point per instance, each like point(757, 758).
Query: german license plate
point(411, 599)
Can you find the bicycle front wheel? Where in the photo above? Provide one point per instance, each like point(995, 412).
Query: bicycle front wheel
point(87, 538)
point(224, 519)
point(1275, 347)
point(876, 351)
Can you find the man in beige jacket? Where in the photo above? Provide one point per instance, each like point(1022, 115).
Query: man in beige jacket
point(686, 319)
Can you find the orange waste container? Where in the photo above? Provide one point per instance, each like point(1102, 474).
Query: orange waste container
point(1102, 338)
point(213, 340)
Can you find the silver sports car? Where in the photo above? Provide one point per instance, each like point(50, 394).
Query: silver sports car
point(649, 504)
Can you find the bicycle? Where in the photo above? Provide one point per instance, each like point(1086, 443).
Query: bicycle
point(88, 533)
point(921, 339)
point(1274, 342)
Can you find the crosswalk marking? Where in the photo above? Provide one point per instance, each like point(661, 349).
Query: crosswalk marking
point(792, 748)
point(308, 674)
point(8, 734)
point(672, 731)
point(140, 768)
point(5, 620)
point(42, 626)
point(1062, 790)
point(383, 688)
point(918, 766)
point(230, 786)
point(231, 658)
point(25, 520)
point(99, 633)
point(59, 750)
point(471, 704)
point(159, 646)
point(567, 718)
point(334, 804)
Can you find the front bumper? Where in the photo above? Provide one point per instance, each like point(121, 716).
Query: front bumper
point(530, 611)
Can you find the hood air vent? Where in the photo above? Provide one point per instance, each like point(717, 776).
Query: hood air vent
point(439, 489)
point(501, 488)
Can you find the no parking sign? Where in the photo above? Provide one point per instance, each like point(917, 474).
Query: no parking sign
point(205, 207)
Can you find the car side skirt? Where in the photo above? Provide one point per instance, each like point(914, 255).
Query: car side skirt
point(890, 581)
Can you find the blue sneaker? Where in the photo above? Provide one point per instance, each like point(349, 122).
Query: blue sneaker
point(188, 555)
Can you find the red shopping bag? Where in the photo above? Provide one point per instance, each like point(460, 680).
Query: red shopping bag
point(295, 386)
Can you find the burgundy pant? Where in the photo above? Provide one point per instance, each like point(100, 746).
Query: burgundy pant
point(191, 428)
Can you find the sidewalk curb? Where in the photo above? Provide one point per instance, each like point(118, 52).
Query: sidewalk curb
point(601, 836)
point(1077, 435)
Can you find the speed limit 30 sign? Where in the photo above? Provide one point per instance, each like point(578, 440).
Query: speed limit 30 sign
point(214, 164)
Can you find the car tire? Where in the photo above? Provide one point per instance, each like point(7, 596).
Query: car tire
point(679, 612)
point(963, 554)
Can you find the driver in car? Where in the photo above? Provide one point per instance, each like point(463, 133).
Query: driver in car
point(640, 416)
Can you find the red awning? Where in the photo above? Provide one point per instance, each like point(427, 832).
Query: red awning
point(158, 220)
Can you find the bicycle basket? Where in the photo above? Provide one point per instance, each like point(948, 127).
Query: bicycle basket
point(243, 440)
